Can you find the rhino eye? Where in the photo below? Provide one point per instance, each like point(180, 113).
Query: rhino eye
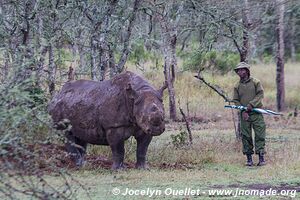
point(153, 109)
point(160, 99)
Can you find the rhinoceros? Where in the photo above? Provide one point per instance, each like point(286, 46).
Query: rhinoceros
point(108, 113)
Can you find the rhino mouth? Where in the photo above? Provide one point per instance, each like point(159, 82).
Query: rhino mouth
point(155, 130)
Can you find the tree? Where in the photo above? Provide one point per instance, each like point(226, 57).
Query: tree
point(168, 15)
point(280, 96)
point(109, 25)
point(292, 19)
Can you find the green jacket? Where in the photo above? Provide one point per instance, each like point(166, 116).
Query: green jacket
point(248, 92)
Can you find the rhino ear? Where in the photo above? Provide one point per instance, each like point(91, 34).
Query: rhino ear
point(130, 93)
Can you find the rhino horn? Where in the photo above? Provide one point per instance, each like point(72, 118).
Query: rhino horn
point(161, 90)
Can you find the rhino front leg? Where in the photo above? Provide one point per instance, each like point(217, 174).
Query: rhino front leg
point(116, 142)
point(143, 142)
point(118, 155)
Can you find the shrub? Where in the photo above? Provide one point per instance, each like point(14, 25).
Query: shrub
point(138, 53)
point(63, 56)
point(180, 139)
point(25, 128)
point(23, 110)
point(298, 57)
point(221, 62)
point(267, 58)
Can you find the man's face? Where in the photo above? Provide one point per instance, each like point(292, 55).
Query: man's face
point(243, 73)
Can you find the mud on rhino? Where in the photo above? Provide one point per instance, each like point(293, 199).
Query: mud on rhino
point(108, 113)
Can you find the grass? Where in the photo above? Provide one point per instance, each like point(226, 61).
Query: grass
point(214, 162)
point(100, 183)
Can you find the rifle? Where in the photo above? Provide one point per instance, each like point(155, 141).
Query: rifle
point(257, 110)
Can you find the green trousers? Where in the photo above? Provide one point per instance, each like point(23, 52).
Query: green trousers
point(255, 121)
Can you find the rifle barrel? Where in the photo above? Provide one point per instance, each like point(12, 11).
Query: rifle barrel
point(258, 110)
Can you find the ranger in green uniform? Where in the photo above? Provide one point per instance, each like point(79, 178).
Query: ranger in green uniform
point(249, 92)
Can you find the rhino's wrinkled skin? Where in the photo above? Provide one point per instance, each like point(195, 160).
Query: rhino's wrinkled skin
point(108, 113)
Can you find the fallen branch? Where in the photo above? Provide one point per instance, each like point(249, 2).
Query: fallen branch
point(187, 126)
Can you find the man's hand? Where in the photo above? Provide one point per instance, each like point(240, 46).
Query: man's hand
point(245, 116)
point(249, 108)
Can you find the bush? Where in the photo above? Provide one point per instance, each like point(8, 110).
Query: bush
point(267, 58)
point(23, 110)
point(25, 127)
point(138, 54)
point(298, 57)
point(63, 56)
point(180, 139)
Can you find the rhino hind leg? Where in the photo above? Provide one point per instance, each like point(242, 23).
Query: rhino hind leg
point(76, 148)
point(143, 142)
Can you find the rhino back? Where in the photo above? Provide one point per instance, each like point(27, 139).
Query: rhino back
point(92, 107)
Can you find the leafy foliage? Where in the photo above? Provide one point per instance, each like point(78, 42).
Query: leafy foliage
point(180, 139)
point(221, 62)
point(25, 127)
point(138, 53)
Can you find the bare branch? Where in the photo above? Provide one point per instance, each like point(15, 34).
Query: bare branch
point(215, 88)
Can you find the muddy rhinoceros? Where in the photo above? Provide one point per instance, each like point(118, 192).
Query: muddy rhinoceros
point(108, 113)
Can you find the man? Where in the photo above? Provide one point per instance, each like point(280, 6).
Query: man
point(249, 92)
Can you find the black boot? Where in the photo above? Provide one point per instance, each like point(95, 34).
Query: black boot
point(249, 160)
point(261, 159)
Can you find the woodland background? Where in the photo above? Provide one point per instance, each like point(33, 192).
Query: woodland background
point(44, 44)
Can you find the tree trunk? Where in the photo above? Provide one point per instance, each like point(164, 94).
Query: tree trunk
point(102, 65)
point(170, 71)
point(82, 58)
point(6, 66)
point(244, 54)
point(125, 51)
point(93, 59)
point(104, 44)
point(293, 38)
point(52, 70)
point(171, 89)
point(280, 97)
point(112, 64)
point(169, 51)
point(41, 51)
point(71, 74)
point(40, 65)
